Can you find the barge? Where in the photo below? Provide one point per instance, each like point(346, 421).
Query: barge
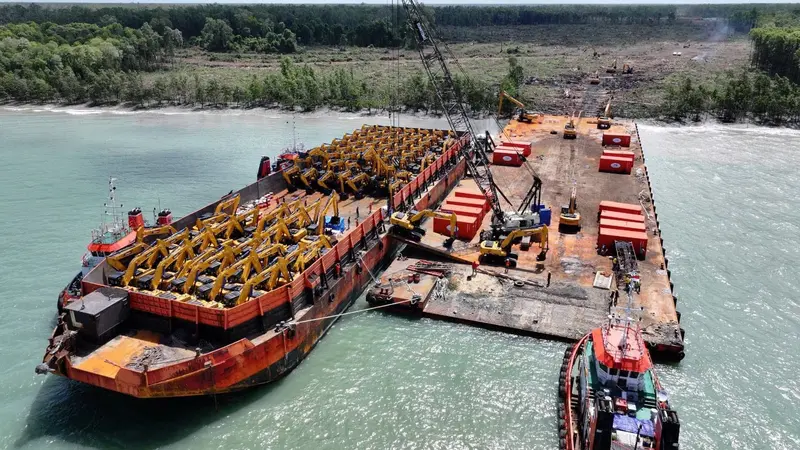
point(565, 288)
point(245, 287)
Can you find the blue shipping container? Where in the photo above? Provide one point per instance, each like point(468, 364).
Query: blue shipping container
point(544, 215)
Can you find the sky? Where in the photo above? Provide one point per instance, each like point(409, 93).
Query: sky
point(431, 2)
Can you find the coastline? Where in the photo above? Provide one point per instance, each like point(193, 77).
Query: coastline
point(85, 109)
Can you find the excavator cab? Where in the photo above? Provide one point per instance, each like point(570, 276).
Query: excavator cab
point(570, 219)
point(498, 251)
point(604, 121)
point(570, 128)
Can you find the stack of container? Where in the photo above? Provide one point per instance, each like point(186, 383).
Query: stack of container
point(511, 153)
point(622, 222)
point(469, 206)
point(616, 161)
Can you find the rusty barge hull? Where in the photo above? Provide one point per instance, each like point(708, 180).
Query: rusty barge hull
point(252, 346)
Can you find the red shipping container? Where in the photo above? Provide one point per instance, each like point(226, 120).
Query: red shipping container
point(628, 208)
point(525, 146)
point(482, 203)
point(462, 210)
point(607, 237)
point(614, 215)
point(615, 165)
point(466, 227)
point(622, 225)
point(469, 194)
point(619, 154)
point(623, 140)
point(506, 158)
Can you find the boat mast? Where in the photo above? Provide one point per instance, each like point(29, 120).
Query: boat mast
point(113, 210)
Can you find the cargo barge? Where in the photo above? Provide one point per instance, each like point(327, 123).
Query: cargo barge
point(594, 191)
point(238, 295)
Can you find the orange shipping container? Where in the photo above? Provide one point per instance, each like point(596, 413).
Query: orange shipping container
point(524, 146)
point(619, 154)
point(621, 139)
point(622, 225)
point(607, 237)
point(506, 158)
point(615, 215)
point(616, 165)
point(466, 227)
point(462, 210)
point(469, 194)
point(628, 208)
point(483, 204)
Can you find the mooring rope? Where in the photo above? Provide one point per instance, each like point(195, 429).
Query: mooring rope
point(317, 319)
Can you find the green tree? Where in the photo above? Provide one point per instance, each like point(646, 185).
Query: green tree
point(217, 35)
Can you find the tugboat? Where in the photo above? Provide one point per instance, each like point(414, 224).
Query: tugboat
point(108, 238)
point(609, 395)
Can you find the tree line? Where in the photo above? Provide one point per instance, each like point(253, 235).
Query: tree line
point(293, 86)
point(735, 96)
point(47, 61)
point(359, 25)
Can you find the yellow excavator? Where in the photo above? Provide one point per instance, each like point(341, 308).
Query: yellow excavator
point(242, 270)
point(406, 224)
point(500, 251)
point(604, 121)
point(570, 128)
point(358, 184)
point(119, 260)
point(146, 258)
point(317, 227)
point(290, 175)
point(270, 277)
point(228, 205)
point(595, 78)
point(324, 182)
point(569, 220)
point(177, 258)
point(308, 177)
point(142, 232)
point(522, 115)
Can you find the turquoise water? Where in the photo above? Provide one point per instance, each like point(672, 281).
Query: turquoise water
point(727, 198)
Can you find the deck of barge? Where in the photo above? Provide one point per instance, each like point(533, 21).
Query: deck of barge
point(570, 306)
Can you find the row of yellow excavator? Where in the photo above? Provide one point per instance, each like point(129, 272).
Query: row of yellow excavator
point(374, 160)
point(226, 256)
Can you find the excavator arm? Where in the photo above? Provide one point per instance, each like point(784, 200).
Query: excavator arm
point(505, 95)
point(308, 176)
point(228, 205)
point(333, 202)
point(115, 260)
point(142, 233)
point(271, 276)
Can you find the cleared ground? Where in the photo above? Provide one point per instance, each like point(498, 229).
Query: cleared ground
point(554, 58)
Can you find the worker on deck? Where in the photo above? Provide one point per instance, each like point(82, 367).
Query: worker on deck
point(475, 265)
point(508, 264)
